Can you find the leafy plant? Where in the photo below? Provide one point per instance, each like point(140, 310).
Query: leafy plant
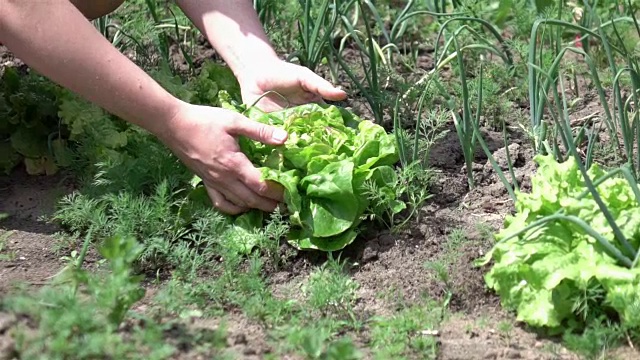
point(323, 166)
point(402, 335)
point(83, 322)
point(29, 124)
point(559, 262)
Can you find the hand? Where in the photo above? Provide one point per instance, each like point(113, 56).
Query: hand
point(204, 138)
point(297, 84)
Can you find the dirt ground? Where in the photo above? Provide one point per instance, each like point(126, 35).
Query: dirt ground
point(392, 263)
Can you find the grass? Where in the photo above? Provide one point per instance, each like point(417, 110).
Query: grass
point(514, 71)
point(4, 254)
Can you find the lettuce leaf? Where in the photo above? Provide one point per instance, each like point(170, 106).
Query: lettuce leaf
point(328, 156)
point(556, 276)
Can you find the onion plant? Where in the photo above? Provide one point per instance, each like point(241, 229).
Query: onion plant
point(371, 88)
point(466, 122)
point(395, 34)
point(265, 9)
point(621, 124)
point(315, 29)
point(163, 38)
point(553, 131)
point(624, 253)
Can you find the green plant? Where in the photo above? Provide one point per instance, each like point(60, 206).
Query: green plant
point(410, 186)
point(505, 327)
point(405, 334)
point(329, 290)
point(568, 256)
point(369, 88)
point(81, 318)
point(395, 35)
point(596, 340)
point(30, 131)
point(3, 243)
point(315, 28)
point(329, 155)
point(543, 76)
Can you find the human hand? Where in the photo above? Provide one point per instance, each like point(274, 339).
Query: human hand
point(205, 139)
point(297, 84)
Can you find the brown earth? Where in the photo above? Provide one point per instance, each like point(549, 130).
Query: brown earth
point(29, 250)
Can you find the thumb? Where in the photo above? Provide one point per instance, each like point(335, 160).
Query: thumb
point(313, 83)
point(257, 131)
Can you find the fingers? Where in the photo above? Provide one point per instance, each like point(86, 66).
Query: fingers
point(222, 204)
point(236, 198)
point(244, 189)
point(257, 131)
point(312, 83)
point(242, 196)
point(252, 179)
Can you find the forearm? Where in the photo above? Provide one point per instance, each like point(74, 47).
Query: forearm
point(56, 40)
point(233, 29)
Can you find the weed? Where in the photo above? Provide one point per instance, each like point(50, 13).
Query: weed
point(409, 186)
point(81, 318)
point(595, 341)
point(455, 239)
point(505, 328)
point(330, 291)
point(8, 256)
point(406, 333)
point(441, 270)
point(483, 322)
point(485, 231)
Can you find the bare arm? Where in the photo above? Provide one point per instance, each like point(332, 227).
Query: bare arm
point(55, 39)
point(234, 30)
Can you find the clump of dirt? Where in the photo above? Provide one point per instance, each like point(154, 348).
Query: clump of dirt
point(486, 337)
point(27, 258)
point(7, 344)
point(28, 254)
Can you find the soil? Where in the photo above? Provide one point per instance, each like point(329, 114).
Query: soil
point(28, 239)
point(387, 263)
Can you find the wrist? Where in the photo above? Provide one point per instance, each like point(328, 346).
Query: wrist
point(165, 126)
point(249, 65)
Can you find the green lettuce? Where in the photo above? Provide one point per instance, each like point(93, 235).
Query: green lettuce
point(556, 276)
point(328, 157)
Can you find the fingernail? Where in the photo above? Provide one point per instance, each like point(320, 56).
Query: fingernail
point(279, 135)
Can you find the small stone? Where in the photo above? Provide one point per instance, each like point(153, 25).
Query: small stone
point(370, 253)
point(238, 339)
point(249, 351)
point(424, 229)
point(7, 348)
point(491, 355)
point(512, 354)
point(387, 240)
point(476, 167)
